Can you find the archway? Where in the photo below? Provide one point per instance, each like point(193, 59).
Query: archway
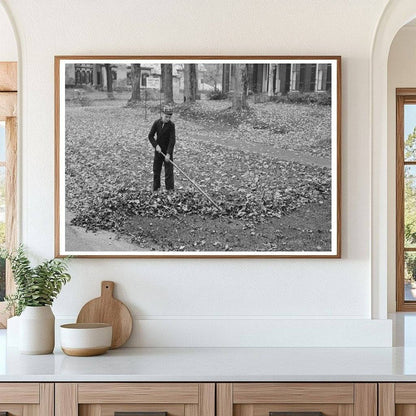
point(396, 14)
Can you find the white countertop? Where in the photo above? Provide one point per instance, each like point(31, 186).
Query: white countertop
point(213, 364)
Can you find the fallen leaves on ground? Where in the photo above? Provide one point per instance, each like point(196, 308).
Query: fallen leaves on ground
point(299, 127)
point(109, 173)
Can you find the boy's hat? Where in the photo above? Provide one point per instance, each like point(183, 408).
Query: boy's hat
point(167, 110)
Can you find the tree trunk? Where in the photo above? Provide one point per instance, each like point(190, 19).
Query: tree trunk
point(270, 90)
point(135, 83)
point(191, 83)
point(109, 81)
point(167, 83)
point(257, 76)
point(225, 78)
point(185, 82)
point(162, 77)
point(239, 86)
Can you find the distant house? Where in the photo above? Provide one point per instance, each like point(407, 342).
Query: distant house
point(267, 79)
point(276, 79)
point(95, 76)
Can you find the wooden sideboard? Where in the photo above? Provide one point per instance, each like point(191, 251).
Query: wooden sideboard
point(208, 399)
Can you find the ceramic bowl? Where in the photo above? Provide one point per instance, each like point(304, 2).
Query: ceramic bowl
point(83, 340)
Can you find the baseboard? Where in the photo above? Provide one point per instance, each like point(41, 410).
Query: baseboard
point(148, 332)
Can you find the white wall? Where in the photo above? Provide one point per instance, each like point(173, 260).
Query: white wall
point(8, 46)
point(180, 301)
point(401, 74)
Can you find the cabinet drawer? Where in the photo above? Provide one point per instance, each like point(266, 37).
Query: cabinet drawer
point(107, 399)
point(19, 393)
point(292, 393)
point(138, 393)
point(296, 399)
point(21, 399)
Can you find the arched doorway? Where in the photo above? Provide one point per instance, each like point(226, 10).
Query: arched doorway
point(396, 14)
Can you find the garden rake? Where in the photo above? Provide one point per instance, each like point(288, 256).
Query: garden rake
point(193, 183)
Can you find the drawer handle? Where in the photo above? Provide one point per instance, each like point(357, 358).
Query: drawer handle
point(139, 414)
point(296, 414)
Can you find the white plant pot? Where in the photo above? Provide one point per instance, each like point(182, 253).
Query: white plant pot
point(37, 330)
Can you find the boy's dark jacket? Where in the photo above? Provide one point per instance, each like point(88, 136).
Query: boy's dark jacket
point(165, 136)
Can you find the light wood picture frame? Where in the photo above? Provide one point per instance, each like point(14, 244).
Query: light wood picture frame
point(254, 142)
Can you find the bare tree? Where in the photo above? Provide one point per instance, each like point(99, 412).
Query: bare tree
point(135, 76)
point(226, 68)
point(190, 83)
point(239, 83)
point(109, 75)
point(167, 83)
point(213, 75)
point(270, 80)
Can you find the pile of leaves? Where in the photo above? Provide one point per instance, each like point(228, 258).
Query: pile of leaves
point(111, 210)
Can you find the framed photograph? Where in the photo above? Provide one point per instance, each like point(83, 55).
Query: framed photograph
point(199, 156)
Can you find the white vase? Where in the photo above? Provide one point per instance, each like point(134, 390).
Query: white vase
point(37, 330)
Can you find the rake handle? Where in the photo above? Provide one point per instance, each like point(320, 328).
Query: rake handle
point(189, 179)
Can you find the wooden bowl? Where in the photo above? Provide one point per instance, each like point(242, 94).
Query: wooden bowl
point(84, 340)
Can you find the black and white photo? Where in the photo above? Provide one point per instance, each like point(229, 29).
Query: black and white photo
point(207, 157)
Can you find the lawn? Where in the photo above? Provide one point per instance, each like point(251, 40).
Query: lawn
point(267, 204)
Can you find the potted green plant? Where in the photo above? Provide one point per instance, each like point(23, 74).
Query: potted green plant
point(36, 289)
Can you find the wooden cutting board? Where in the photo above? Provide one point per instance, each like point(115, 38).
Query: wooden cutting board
point(107, 309)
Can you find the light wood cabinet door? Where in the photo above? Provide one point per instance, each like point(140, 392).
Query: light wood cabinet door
point(27, 399)
point(397, 399)
point(297, 399)
point(145, 399)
